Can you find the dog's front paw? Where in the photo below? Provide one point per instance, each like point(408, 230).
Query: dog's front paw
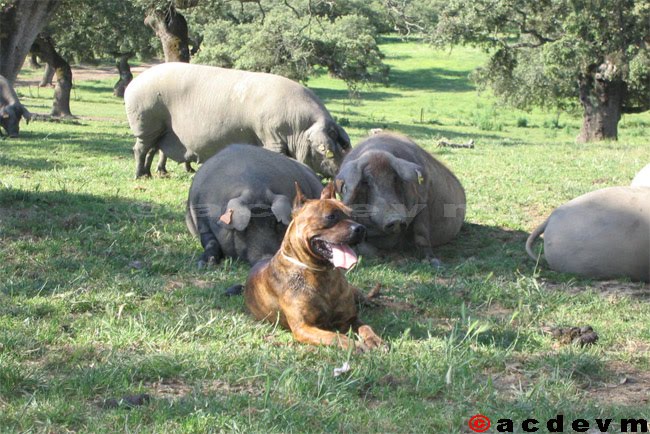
point(370, 339)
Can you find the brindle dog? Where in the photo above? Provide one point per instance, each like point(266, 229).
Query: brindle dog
point(303, 286)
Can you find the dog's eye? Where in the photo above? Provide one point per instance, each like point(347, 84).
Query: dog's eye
point(331, 217)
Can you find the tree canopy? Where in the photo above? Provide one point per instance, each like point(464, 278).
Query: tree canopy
point(291, 38)
point(87, 30)
point(287, 37)
point(558, 53)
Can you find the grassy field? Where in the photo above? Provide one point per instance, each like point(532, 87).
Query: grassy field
point(107, 325)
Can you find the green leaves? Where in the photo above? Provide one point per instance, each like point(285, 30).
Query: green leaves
point(540, 50)
point(293, 41)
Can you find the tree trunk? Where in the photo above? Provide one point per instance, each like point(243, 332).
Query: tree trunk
point(602, 101)
point(20, 22)
point(44, 48)
point(171, 27)
point(126, 76)
point(48, 76)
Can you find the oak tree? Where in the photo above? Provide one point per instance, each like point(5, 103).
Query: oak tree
point(558, 53)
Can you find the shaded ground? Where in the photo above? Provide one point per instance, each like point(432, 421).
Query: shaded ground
point(86, 72)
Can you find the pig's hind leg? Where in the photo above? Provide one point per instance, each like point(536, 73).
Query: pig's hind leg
point(143, 155)
point(212, 253)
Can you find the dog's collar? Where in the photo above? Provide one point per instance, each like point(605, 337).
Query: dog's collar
point(301, 264)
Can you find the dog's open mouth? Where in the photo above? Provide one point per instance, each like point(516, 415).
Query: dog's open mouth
point(340, 255)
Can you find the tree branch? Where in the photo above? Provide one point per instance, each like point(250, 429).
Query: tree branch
point(541, 40)
point(634, 110)
point(286, 3)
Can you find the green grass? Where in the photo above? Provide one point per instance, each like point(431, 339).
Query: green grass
point(100, 297)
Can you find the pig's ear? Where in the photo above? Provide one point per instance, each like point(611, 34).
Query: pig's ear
point(237, 215)
point(26, 114)
point(281, 208)
point(329, 192)
point(343, 139)
point(349, 177)
point(409, 172)
point(338, 184)
point(299, 199)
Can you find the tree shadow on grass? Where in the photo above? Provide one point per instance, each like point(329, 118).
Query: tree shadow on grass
point(343, 95)
point(26, 163)
point(82, 139)
point(487, 248)
point(422, 131)
point(95, 86)
point(51, 238)
point(427, 301)
point(431, 79)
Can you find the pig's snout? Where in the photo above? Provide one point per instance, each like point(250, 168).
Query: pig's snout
point(394, 225)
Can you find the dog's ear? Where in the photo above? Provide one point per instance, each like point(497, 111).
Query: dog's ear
point(299, 199)
point(329, 192)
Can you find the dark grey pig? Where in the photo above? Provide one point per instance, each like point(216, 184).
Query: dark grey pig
point(406, 199)
point(11, 110)
point(240, 202)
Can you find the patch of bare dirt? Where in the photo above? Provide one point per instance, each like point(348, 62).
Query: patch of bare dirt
point(177, 389)
point(629, 387)
point(496, 310)
point(375, 298)
point(89, 72)
point(511, 381)
point(599, 181)
point(614, 289)
point(175, 284)
point(626, 385)
point(617, 289)
point(537, 214)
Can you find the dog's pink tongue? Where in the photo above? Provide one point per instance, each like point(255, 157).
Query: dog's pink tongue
point(343, 256)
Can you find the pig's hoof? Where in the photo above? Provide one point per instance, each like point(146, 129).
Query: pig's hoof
point(210, 261)
point(434, 262)
point(234, 290)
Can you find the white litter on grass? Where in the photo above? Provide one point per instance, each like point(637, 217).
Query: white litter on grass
point(342, 370)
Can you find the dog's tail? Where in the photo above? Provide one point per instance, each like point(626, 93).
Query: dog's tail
point(533, 236)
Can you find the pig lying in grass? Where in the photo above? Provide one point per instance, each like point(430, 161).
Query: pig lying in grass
point(240, 202)
point(602, 234)
point(407, 199)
